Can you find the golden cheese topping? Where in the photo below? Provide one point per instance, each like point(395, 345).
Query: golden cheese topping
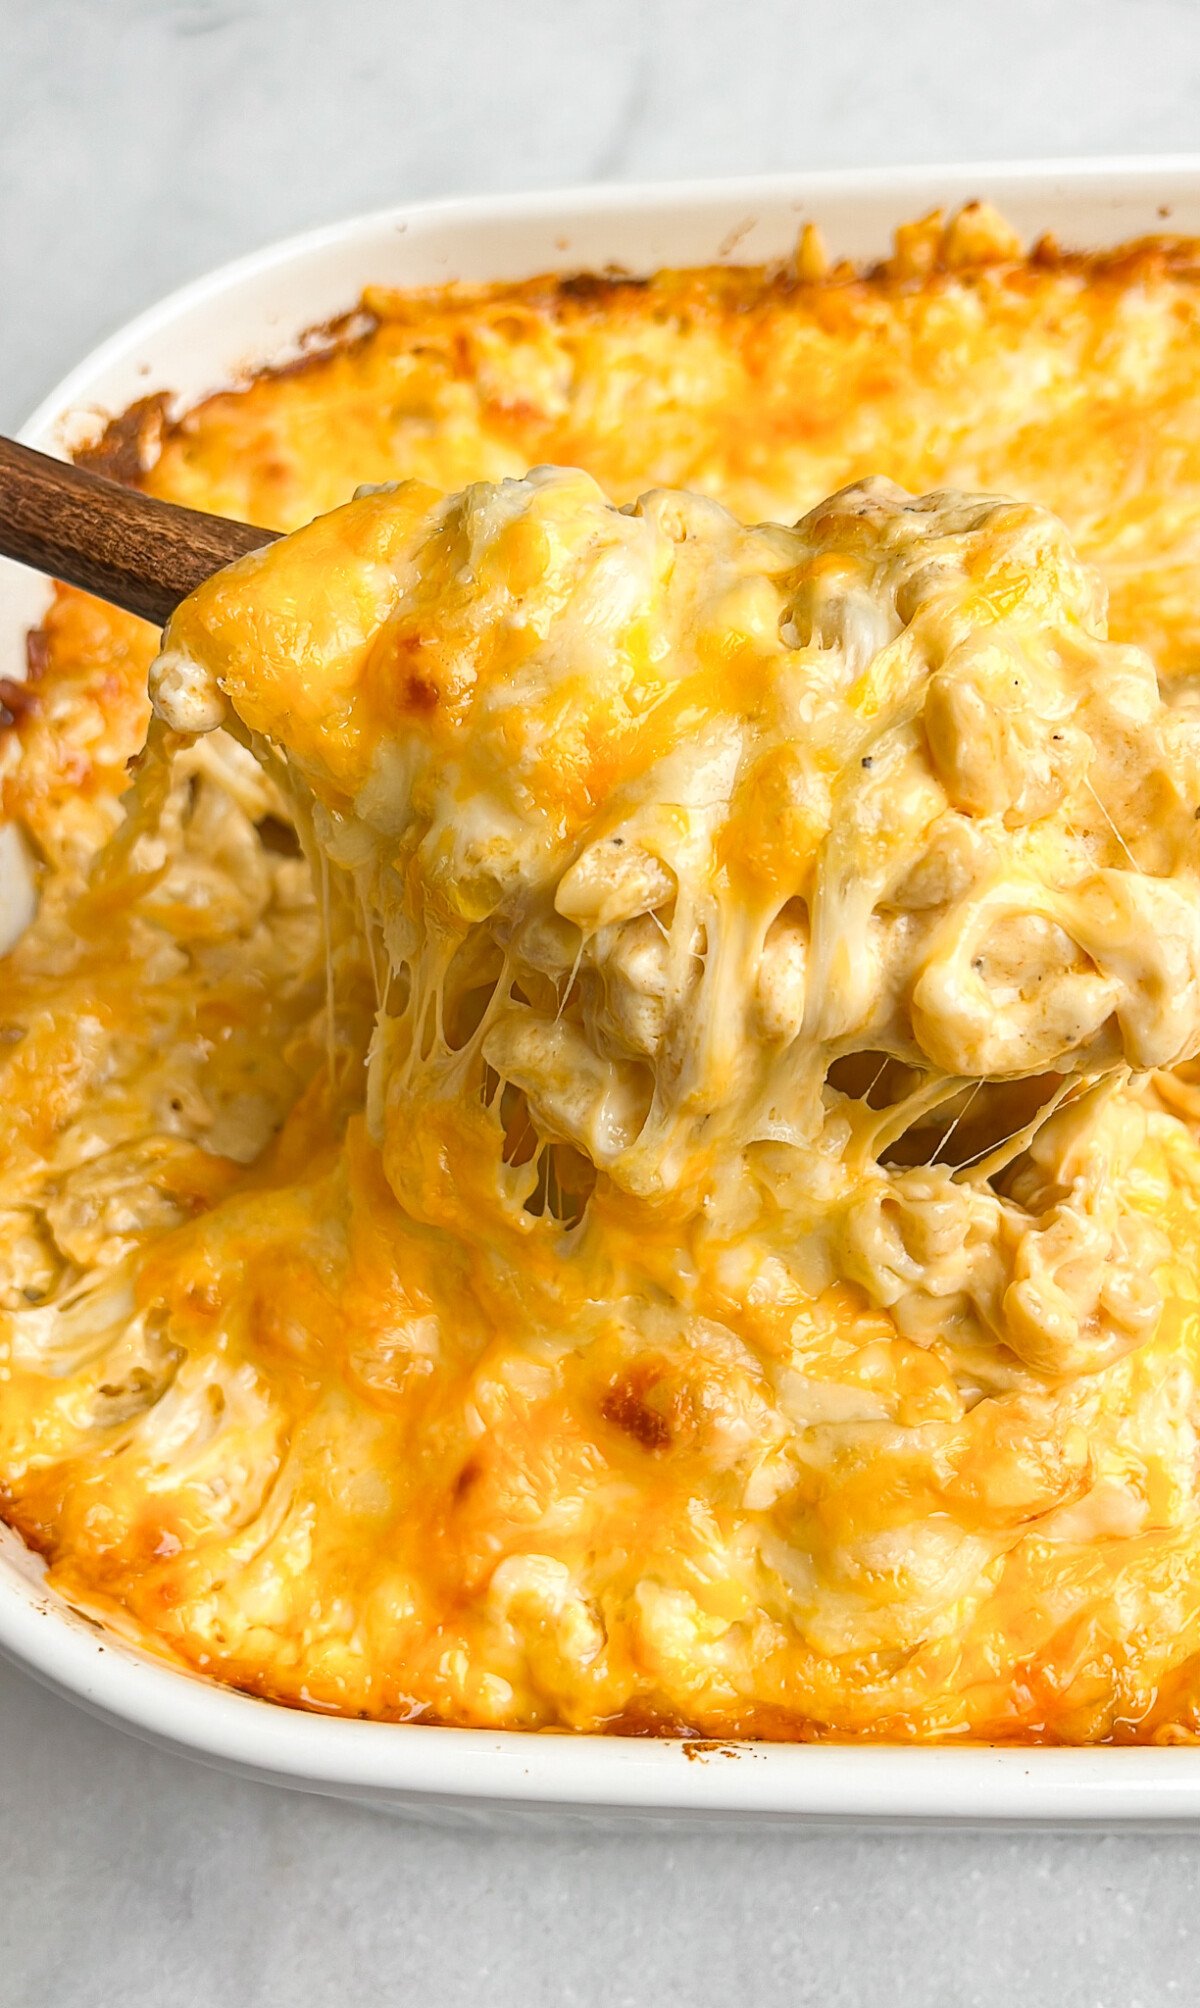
point(695, 1225)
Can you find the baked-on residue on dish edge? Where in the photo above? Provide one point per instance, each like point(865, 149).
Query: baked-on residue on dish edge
point(925, 1468)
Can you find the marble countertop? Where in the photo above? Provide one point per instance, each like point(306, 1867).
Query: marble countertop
point(143, 141)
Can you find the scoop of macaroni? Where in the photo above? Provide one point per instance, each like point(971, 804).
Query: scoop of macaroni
point(716, 847)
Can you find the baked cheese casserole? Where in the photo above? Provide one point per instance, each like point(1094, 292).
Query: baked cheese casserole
point(600, 1121)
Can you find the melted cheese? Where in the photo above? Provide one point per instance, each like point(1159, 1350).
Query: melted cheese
point(566, 796)
point(713, 1254)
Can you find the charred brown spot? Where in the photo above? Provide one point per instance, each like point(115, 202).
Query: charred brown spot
point(595, 286)
point(37, 654)
point(421, 693)
point(129, 445)
point(625, 1406)
point(16, 700)
point(322, 344)
point(468, 1477)
point(647, 1717)
point(420, 690)
point(32, 1522)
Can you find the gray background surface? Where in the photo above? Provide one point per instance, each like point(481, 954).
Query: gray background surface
point(140, 142)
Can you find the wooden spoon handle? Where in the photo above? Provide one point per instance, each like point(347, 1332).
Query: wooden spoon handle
point(142, 554)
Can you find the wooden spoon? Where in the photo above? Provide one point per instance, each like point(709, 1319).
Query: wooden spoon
point(142, 554)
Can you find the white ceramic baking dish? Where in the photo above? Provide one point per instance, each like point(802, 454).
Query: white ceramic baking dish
point(210, 334)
